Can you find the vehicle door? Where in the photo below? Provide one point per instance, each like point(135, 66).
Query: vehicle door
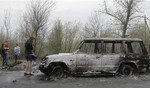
point(110, 62)
point(88, 60)
point(111, 57)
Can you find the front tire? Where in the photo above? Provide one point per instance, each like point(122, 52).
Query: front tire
point(57, 72)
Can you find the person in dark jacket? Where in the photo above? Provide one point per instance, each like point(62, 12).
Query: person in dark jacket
point(28, 52)
point(2, 52)
point(5, 48)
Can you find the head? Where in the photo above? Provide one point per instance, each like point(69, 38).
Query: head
point(31, 39)
point(16, 44)
point(6, 42)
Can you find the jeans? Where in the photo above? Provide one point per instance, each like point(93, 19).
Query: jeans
point(16, 58)
point(5, 60)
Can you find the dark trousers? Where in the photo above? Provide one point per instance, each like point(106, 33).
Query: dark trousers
point(16, 58)
point(5, 60)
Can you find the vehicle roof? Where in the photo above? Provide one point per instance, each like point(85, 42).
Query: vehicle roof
point(112, 39)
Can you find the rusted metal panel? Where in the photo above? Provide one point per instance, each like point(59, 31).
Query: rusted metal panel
point(87, 62)
point(110, 62)
point(68, 58)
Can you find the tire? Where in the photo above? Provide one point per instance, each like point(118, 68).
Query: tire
point(57, 72)
point(128, 70)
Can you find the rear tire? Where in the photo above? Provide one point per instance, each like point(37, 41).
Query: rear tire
point(128, 70)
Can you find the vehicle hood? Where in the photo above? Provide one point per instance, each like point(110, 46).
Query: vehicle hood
point(61, 57)
point(65, 54)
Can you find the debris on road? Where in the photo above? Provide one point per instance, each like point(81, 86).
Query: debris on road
point(14, 81)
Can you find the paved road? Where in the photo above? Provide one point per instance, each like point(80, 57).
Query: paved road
point(16, 79)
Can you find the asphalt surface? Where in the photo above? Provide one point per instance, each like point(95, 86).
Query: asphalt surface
point(14, 78)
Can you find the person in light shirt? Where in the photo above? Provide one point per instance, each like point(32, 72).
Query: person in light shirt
point(16, 53)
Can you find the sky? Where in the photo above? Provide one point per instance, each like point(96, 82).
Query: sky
point(77, 10)
point(70, 10)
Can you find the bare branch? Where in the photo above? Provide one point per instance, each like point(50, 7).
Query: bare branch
point(125, 13)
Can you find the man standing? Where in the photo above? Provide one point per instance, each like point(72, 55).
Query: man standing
point(16, 53)
point(5, 56)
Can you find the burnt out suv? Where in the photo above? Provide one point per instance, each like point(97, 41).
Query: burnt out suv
point(98, 56)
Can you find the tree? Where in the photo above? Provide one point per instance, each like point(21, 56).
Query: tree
point(126, 13)
point(70, 30)
point(63, 37)
point(6, 28)
point(55, 38)
point(35, 22)
point(94, 26)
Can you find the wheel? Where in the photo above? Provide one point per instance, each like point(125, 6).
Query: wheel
point(57, 72)
point(128, 70)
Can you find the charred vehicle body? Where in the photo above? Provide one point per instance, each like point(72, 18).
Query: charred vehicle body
point(98, 56)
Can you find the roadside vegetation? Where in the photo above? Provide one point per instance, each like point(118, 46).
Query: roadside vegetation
point(125, 20)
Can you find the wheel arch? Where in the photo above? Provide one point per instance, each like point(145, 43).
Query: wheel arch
point(133, 64)
point(53, 64)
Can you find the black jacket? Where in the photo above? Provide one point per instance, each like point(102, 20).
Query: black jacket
point(28, 48)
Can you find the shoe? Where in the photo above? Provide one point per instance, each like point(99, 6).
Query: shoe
point(25, 74)
point(31, 74)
